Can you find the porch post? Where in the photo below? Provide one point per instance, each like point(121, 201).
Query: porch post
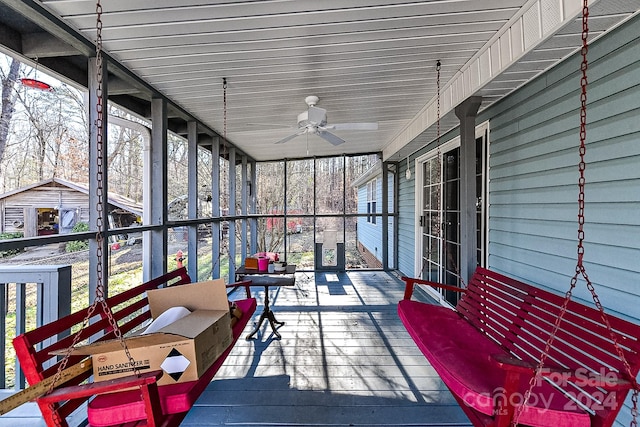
point(215, 207)
point(232, 213)
point(155, 196)
point(385, 216)
point(253, 222)
point(466, 112)
point(243, 207)
point(94, 168)
point(192, 206)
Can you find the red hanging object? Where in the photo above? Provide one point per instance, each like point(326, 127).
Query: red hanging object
point(36, 84)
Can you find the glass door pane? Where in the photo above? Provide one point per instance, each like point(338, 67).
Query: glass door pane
point(430, 219)
point(440, 220)
point(451, 227)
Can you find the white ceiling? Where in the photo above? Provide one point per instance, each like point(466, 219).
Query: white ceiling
point(367, 60)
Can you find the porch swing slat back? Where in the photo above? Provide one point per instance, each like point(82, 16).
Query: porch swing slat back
point(488, 348)
point(148, 404)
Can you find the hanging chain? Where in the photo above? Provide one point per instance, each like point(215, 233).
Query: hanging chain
point(99, 295)
point(448, 256)
point(225, 242)
point(438, 67)
point(224, 111)
point(438, 223)
point(580, 269)
point(224, 139)
point(99, 155)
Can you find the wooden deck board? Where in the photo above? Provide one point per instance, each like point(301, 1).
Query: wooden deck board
point(344, 360)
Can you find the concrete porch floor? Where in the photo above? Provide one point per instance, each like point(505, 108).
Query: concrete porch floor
point(344, 360)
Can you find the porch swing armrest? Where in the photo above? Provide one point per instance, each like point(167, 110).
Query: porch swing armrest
point(610, 382)
point(145, 380)
point(513, 364)
point(246, 284)
point(410, 282)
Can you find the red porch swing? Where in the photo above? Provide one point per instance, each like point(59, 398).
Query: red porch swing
point(513, 354)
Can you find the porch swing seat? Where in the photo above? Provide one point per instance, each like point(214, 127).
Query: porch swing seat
point(128, 401)
point(486, 351)
point(175, 399)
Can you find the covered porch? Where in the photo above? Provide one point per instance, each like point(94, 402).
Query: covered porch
point(473, 161)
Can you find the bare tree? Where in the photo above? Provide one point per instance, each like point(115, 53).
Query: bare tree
point(8, 102)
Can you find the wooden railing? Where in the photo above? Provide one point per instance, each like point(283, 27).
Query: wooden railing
point(52, 287)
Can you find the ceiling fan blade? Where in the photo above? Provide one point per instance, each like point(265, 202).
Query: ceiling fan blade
point(353, 126)
point(275, 126)
point(290, 137)
point(330, 137)
point(317, 115)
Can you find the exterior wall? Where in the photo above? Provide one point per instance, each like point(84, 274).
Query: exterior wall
point(40, 197)
point(370, 235)
point(534, 173)
point(406, 219)
point(370, 258)
point(533, 177)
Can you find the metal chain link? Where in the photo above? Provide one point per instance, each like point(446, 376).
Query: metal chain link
point(100, 162)
point(440, 168)
point(227, 166)
point(438, 223)
point(439, 233)
point(99, 293)
point(580, 269)
point(225, 243)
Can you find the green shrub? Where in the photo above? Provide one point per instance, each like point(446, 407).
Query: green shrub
point(7, 236)
point(78, 245)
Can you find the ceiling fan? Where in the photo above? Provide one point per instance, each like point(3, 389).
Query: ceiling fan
point(314, 121)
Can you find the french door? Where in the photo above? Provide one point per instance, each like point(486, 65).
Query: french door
point(438, 209)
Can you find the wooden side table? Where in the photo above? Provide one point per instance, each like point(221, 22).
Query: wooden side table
point(267, 280)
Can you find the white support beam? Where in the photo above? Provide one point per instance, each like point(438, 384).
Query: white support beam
point(44, 45)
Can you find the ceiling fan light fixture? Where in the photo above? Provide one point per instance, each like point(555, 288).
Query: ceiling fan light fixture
point(314, 121)
point(311, 100)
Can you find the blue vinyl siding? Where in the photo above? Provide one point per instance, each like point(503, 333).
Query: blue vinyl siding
point(533, 176)
point(370, 234)
point(533, 146)
point(406, 219)
point(533, 191)
point(533, 173)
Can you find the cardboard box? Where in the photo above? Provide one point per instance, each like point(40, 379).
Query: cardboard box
point(184, 349)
